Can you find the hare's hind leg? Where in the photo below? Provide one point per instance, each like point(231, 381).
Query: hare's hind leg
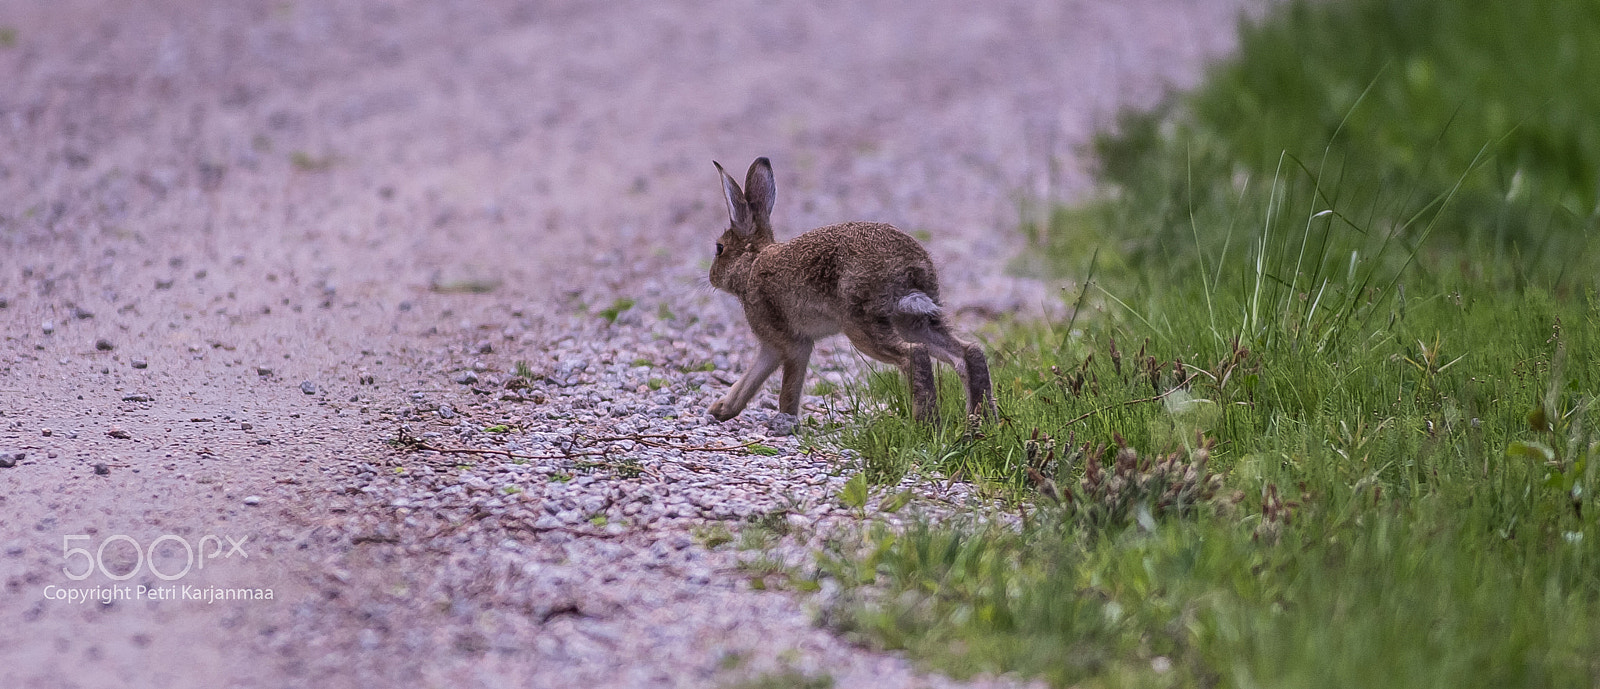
point(881, 342)
point(966, 358)
point(980, 392)
point(924, 388)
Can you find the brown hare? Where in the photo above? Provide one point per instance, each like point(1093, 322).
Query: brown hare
point(868, 280)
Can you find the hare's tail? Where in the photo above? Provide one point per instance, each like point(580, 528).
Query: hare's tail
point(917, 304)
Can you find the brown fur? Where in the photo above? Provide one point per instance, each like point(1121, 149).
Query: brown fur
point(859, 278)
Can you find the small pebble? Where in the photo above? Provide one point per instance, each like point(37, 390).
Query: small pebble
point(263, 441)
point(10, 459)
point(164, 284)
point(137, 397)
point(446, 412)
point(48, 327)
point(782, 424)
point(104, 345)
point(467, 378)
point(140, 363)
point(101, 468)
point(263, 371)
point(118, 433)
point(46, 432)
point(252, 500)
point(308, 387)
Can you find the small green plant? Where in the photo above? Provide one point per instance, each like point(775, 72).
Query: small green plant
point(305, 162)
point(732, 660)
point(523, 371)
point(628, 467)
point(714, 536)
point(641, 361)
point(497, 428)
point(759, 449)
point(854, 493)
point(764, 529)
point(610, 313)
point(823, 388)
point(1564, 448)
point(469, 285)
point(896, 502)
point(658, 383)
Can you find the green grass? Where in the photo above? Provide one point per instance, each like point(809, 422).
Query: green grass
point(1417, 550)
point(1385, 348)
point(1387, 105)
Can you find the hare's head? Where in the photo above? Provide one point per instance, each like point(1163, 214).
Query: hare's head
point(750, 225)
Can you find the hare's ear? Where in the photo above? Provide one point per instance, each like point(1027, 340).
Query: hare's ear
point(760, 191)
point(738, 209)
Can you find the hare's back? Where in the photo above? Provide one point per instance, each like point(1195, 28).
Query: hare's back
point(857, 261)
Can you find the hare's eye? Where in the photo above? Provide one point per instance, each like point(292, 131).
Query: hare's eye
point(719, 248)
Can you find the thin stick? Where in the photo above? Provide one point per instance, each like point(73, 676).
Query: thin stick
point(1109, 407)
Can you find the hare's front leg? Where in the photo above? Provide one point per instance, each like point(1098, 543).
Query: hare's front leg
point(749, 384)
point(794, 377)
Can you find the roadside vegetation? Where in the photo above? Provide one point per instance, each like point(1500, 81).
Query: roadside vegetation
point(1325, 414)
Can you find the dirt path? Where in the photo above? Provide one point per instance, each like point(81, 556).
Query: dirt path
point(243, 244)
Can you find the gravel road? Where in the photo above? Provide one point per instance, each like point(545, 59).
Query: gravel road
point(256, 258)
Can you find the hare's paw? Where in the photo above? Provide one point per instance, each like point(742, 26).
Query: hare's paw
point(722, 410)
